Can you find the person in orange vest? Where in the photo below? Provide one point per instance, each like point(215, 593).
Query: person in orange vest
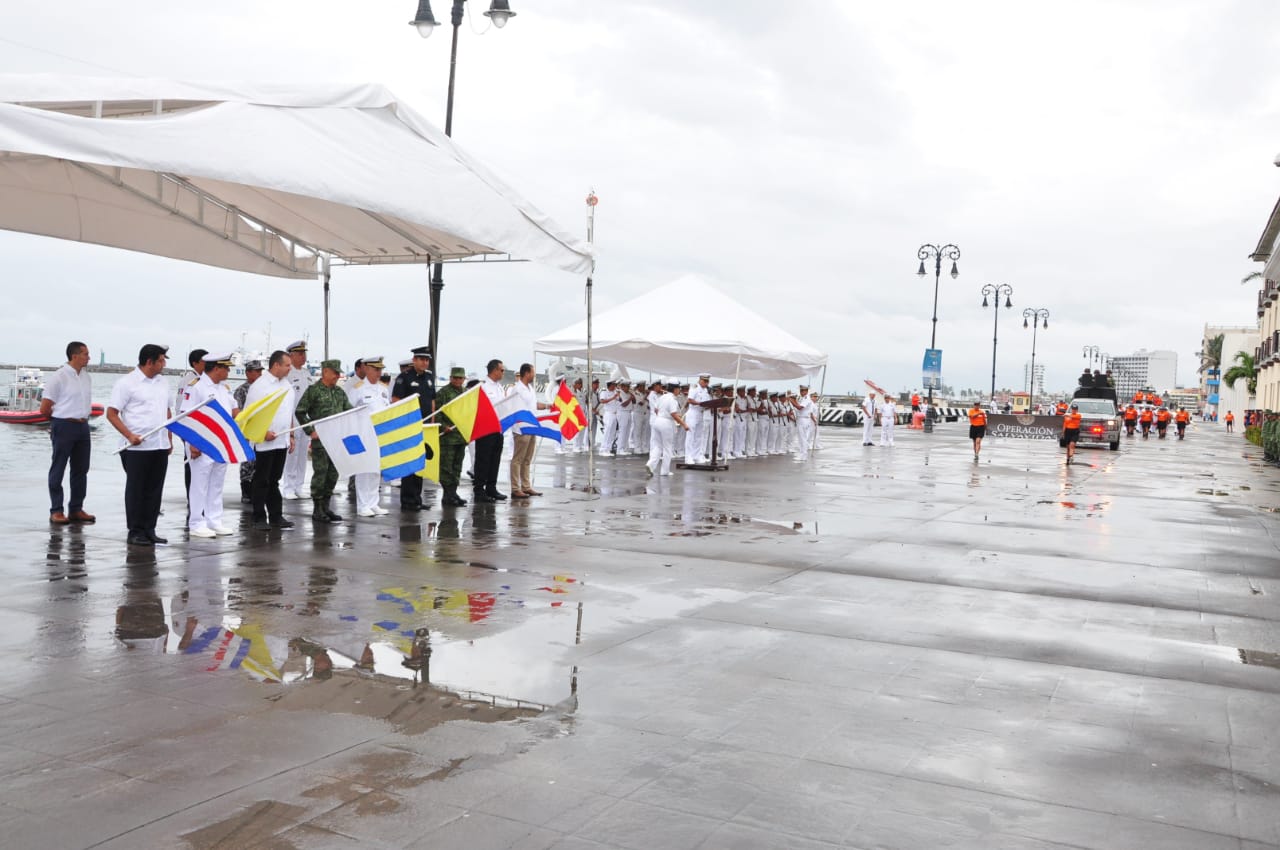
point(1180, 419)
point(977, 428)
point(1231, 421)
point(1139, 397)
point(1060, 408)
point(1163, 416)
point(915, 402)
point(1130, 419)
point(1071, 431)
point(1144, 419)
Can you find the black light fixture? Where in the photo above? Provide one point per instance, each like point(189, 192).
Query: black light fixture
point(936, 252)
point(499, 12)
point(424, 20)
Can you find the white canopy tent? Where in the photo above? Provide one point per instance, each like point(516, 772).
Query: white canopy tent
point(271, 179)
point(685, 327)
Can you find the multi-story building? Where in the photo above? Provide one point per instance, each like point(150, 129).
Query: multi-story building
point(1155, 369)
point(1267, 353)
point(1188, 397)
point(1026, 377)
point(1217, 397)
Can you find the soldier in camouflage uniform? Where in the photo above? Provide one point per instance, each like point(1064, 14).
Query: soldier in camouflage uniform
point(322, 399)
point(252, 372)
point(452, 446)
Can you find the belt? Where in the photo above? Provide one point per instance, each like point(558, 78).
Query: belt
point(68, 419)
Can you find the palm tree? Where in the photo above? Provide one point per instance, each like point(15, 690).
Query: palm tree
point(1211, 356)
point(1251, 276)
point(1243, 370)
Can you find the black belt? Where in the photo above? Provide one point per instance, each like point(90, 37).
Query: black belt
point(68, 419)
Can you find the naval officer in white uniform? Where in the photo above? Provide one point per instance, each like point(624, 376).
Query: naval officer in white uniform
point(295, 465)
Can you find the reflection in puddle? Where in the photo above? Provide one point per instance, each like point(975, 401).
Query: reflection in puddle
point(1263, 659)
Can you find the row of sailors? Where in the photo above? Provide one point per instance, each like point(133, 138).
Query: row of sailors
point(756, 422)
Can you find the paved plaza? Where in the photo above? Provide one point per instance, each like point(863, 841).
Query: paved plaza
point(879, 648)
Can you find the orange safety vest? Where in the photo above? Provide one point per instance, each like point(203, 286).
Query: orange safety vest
point(1163, 417)
point(977, 416)
point(1157, 401)
point(1145, 417)
point(915, 399)
point(1071, 420)
point(1231, 417)
point(1183, 417)
point(1138, 397)
point(1061, 408)
point(1130, 413)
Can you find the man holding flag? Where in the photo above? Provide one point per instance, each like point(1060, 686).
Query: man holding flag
point(320, 400)
point(204, 502)
point(265, 420)
point(452, 444)
point(138, 410)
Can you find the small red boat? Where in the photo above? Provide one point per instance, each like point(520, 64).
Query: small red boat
point(23, 407)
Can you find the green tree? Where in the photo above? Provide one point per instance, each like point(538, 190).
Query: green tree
point(1251, 276)
point(1211, 356)
point(1244, 370)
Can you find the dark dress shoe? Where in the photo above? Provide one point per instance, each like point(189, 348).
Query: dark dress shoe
point(496, 496)
point(533, 492)
point(140, 540)
point(58, 518)
point(156, 538)
point(320, 516)
point(82, 516)
point(483, 499)
point(334, 517)
point(411, 506)
point(282, 523)
point(261, 525)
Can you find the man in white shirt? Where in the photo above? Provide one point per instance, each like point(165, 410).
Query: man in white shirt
point(626, 406)
point(140, 405)
point(374, 396)
point(609, 405)
point(888, 417)
point(299, 377)
point(271, 453)
point(204, 500)
point(68, 401)
point(489, 447)
point(805, 423)
point(522, 456)
point(665, 417)
point(868, 418)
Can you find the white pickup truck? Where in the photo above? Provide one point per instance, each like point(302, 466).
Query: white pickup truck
point(1099, 422)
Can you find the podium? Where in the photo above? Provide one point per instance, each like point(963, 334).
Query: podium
point(717, 407)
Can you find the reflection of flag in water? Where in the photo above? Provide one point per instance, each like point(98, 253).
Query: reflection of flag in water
point(245, 648)
point(472, 414)
point(399, 430)
point(569, 417)
point(211, 429)
point(431, 443)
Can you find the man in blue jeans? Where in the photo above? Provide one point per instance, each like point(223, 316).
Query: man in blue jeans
point(68, 400)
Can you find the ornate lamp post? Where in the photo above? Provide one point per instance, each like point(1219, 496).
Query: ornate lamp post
point(995, 291)
point(1037, 316)
point(499, 12)
point(937, 253)
point(1093, 354)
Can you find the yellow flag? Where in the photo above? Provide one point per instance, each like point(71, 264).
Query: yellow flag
point(255, 419)
point(431, 440)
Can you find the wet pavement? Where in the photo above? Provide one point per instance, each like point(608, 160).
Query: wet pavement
point(881, 648)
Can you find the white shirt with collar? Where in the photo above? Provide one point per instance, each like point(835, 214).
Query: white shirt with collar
point(528, 400)
point(143, 404)
point(71, 393)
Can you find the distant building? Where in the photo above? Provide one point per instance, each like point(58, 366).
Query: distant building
point(1155, 369)
point(1026, 377)
point(1266, 357)
point(1188, 397)
point(1216, 396)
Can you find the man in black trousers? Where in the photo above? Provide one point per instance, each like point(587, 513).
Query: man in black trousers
point(140, 405)
point(489, 447)
point(419, 381)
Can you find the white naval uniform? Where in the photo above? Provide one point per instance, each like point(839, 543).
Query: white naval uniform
point(868, 419)
point(697, 421)
point(204, 502)
point(664, 429)
point(740, 405)
point(804, 427)
point(374, 396)
point(626, 406)
point(749, 443)
point(609, 404)
point(640, 421)
point(888, 415)
point(295, 464)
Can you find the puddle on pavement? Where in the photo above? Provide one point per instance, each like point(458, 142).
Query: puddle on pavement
point(1262, 659)
point(1086, 509)
point(1208, 491)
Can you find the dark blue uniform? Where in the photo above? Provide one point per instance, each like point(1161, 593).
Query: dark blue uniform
point(423, 385)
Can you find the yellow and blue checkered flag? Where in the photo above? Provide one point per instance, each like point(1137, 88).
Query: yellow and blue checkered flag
point(399, 430)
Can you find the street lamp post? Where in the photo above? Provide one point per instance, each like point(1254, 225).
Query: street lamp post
point(499, 12)
point(996, 290)
point(1037, 316)
point(1093, 354)
point(927, 251)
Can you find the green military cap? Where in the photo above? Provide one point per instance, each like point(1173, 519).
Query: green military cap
point(457, 372)
point(335, 365)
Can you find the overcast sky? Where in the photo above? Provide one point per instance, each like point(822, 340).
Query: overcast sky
point(1112, 161)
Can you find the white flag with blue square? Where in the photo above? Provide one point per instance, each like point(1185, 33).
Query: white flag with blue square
point(351, 442)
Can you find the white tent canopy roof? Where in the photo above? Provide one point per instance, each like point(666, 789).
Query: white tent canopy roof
point(254, 177)
point(685, 327)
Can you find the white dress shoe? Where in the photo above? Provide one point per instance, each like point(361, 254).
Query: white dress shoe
point(367, 512)
point(290, 495)
point(222, 530)
point(381, 511)
point(203, 532)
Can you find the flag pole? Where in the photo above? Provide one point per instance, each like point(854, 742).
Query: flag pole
point(163, 425)
point(592, 200)
point(318, 421)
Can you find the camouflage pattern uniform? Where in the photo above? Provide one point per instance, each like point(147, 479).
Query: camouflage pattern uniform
point(318, 402)
point(452, 448)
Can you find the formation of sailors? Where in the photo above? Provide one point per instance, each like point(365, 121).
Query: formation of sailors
point(745, 422)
